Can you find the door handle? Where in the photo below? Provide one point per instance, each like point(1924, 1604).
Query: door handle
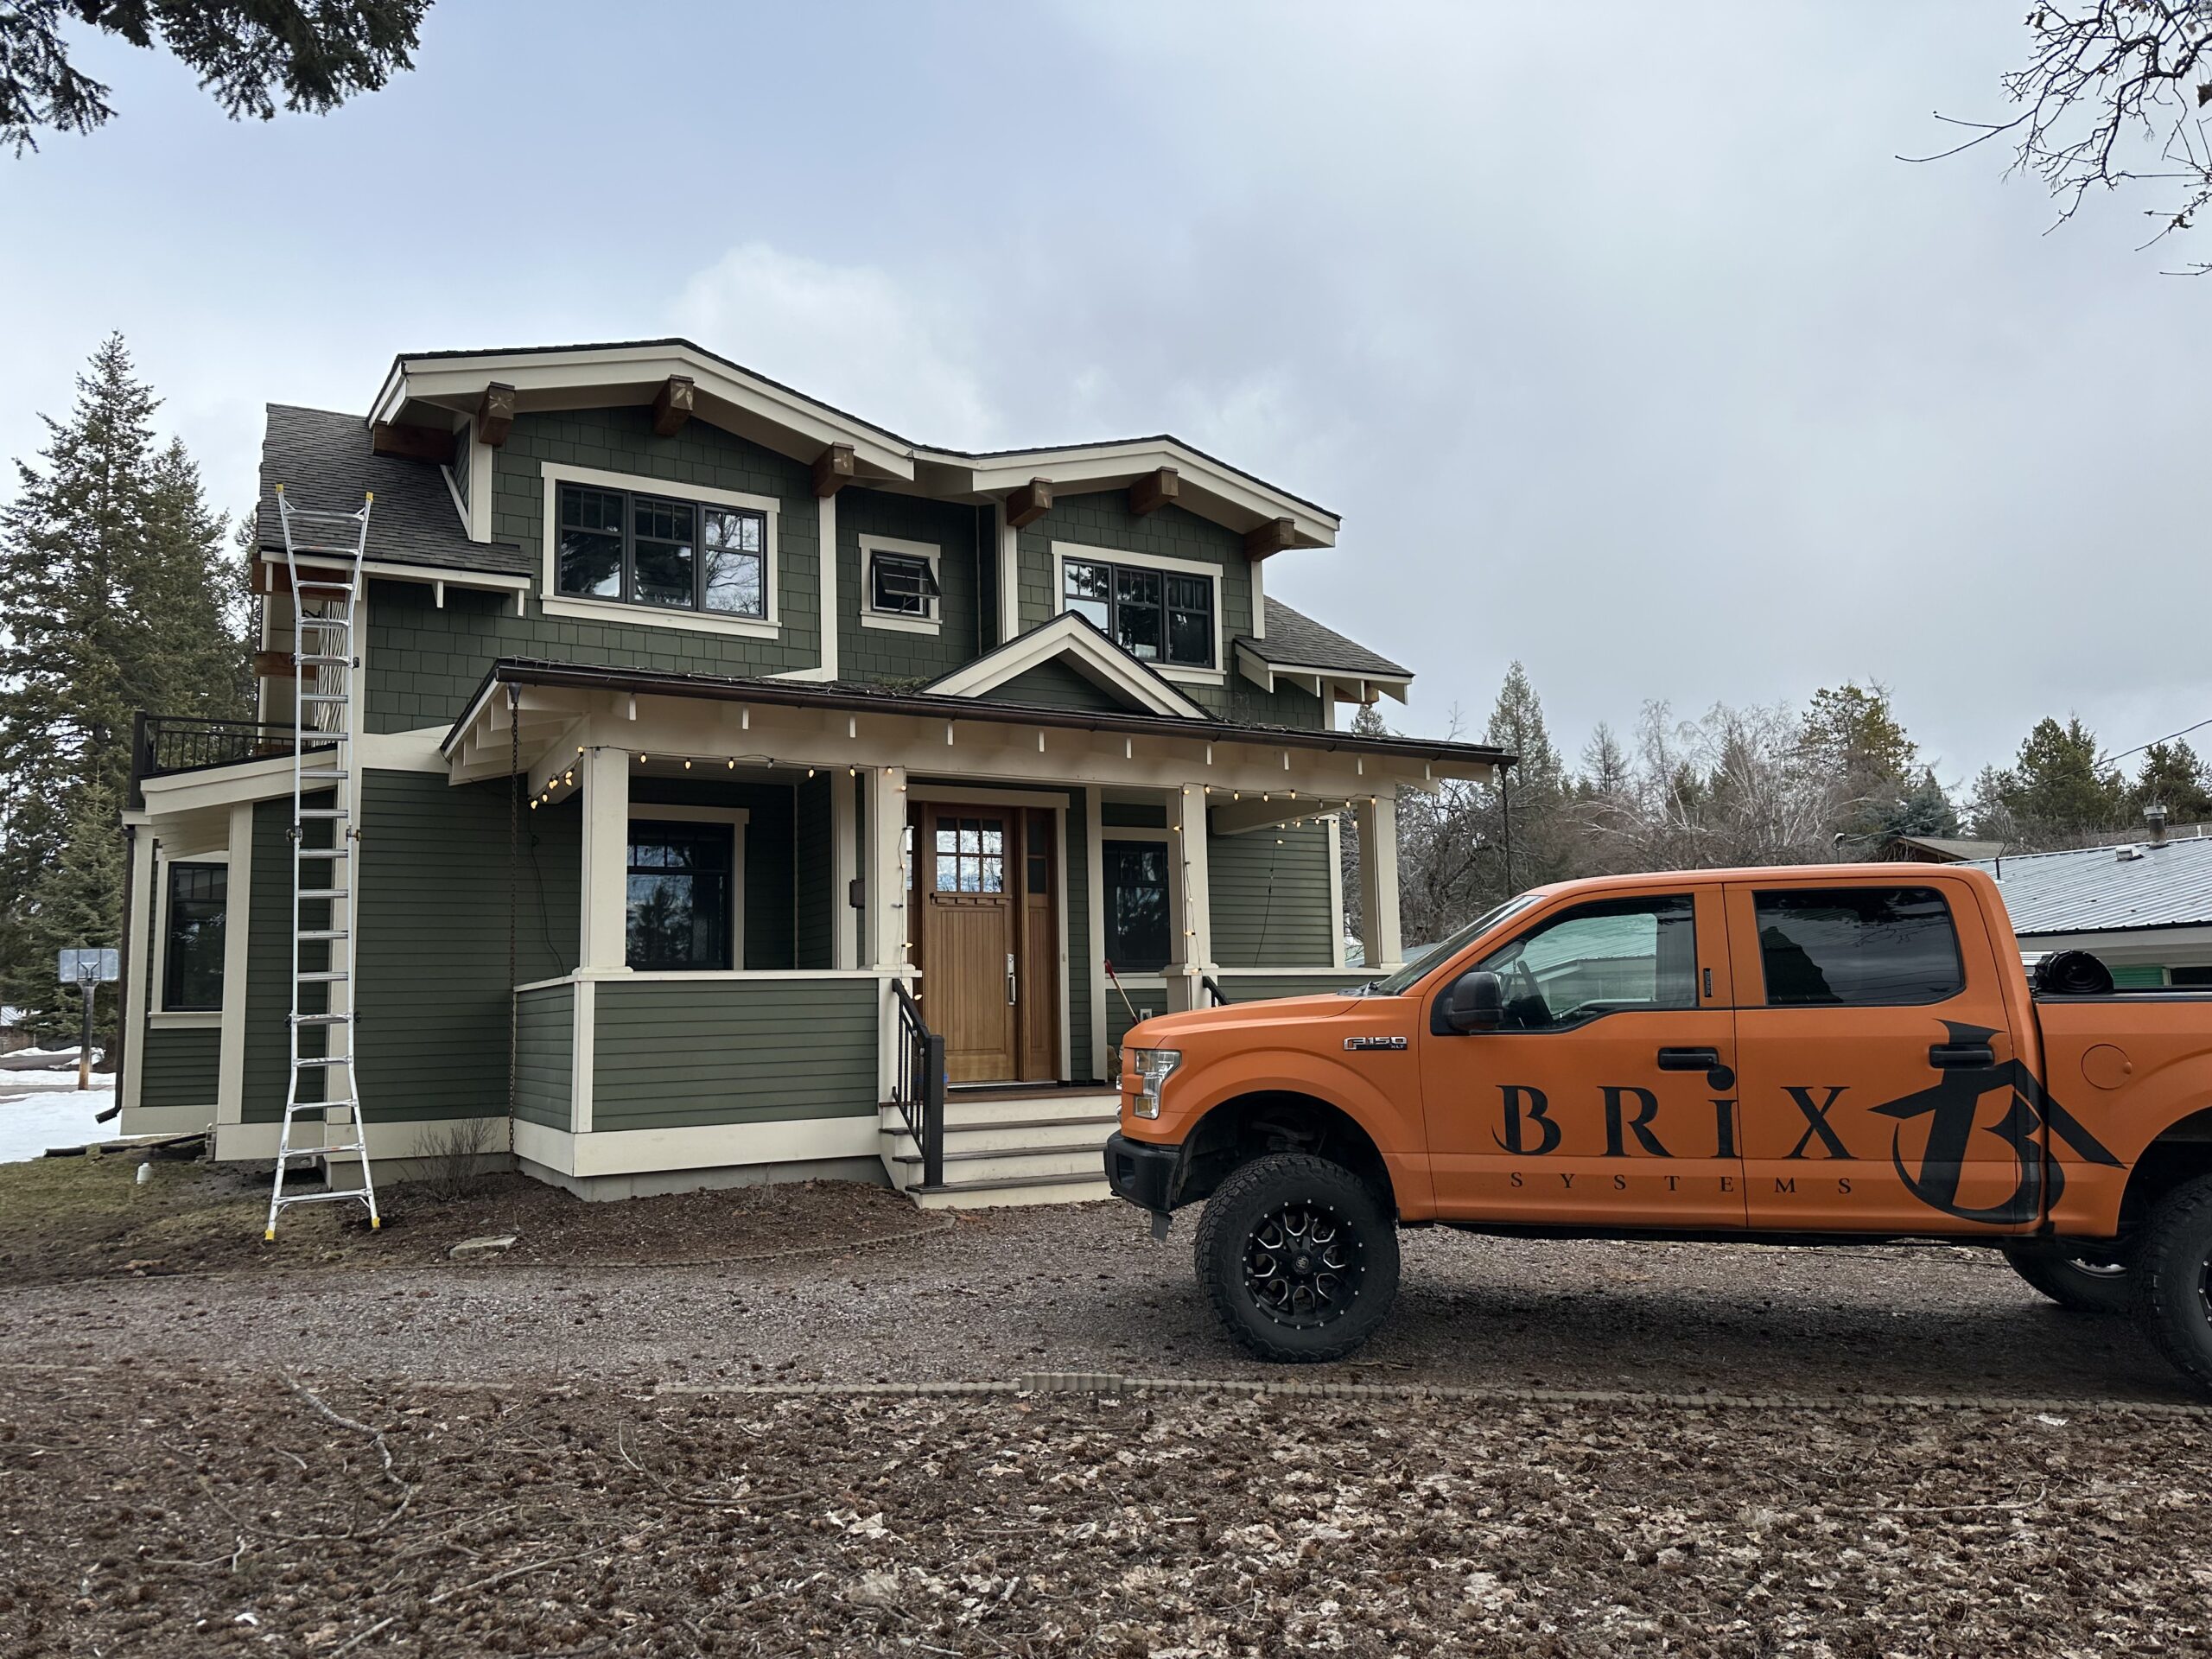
point(1962, 1057)
point(1012, 985)
point(1688, 1060)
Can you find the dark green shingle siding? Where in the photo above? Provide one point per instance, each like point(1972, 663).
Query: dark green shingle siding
point(423, 662)
point(897, 656)
point(1053, 684)
point(669, 1054)
point(178, 1066)
point(545, 1058)
point(1269, 893)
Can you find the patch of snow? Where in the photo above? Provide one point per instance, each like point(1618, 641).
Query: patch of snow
point(54, 1077)
point(31, 1123)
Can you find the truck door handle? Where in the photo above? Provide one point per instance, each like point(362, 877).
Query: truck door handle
point(1688, 1060)
point(1962, 1057)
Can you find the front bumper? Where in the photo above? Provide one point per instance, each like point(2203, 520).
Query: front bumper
point(1142, 1172)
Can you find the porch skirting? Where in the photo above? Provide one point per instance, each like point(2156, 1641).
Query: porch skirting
point(640, 1163)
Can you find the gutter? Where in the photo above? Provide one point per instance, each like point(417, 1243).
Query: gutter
point(788, 694)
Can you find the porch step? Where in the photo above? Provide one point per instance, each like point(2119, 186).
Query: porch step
point(966, 1111)
point(1058, 1159)
point(1005, 1191)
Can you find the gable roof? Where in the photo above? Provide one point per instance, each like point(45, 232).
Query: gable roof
point(2104, 889)
point(323, 460)
point(1075, 642)
point(445, 387)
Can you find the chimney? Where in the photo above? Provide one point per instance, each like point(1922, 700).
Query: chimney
point(2155, 815)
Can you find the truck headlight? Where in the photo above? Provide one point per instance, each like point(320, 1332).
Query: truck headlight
point(1154, 1066)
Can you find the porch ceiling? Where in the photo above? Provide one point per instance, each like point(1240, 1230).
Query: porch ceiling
point(560, 708)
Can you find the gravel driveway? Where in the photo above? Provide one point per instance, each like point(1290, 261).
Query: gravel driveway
point(1083, 1287)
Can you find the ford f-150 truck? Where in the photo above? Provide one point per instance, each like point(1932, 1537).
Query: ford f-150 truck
point(1792, 1055)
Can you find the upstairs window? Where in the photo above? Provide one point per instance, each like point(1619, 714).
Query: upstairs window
point(192, 964)
point(902, 581)
point(660, 550)
point(1157, 616)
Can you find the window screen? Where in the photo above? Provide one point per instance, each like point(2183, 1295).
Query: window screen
point(1607, 956)
point(1857, 945)
point(192, 972)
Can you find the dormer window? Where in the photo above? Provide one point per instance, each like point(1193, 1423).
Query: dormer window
point(690, 556)
point(901, 591)
point(650, 550)
point(1162, 611)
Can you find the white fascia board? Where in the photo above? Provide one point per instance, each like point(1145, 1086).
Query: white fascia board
point(1071, 637)
point(463, 379)
point(1109, 463)
point(1264, 673)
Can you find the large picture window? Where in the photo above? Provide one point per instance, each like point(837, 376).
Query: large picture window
point(640, 548)
point(1157, 616)
point(681, 895)
point(1135, 881)
point(192, 946)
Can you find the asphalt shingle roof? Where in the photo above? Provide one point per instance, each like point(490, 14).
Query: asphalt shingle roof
point(2095, 890)
point(323, 460)
point(1296, 640)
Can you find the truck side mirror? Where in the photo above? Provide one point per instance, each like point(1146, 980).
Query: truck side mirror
point(1478, 1002)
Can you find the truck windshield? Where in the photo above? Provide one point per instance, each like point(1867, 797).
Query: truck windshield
point(1399, 984)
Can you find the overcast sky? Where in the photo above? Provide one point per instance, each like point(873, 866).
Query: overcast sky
point(1617, 334)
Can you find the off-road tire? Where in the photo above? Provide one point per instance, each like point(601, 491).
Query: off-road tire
point(2059, 1272)
point(2169, 1280)
point(1256, 1193)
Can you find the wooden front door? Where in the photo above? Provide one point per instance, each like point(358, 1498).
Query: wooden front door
point(987, 940)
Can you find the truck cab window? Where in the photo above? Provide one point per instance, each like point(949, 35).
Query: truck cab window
point(1857, 946)
point(1598, 958)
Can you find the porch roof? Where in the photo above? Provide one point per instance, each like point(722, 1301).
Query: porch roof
point(850, 697)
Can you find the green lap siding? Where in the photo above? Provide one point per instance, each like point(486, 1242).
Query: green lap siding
point(425, 660)
point(1269, 891)
point(1145, 1000)
point(177, 1066)
point(1258, 988)
point(545, 1058)
point(672, 1054)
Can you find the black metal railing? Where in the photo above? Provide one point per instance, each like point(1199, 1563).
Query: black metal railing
point(1216, 997)
point(919, 1092)
point(164, 744)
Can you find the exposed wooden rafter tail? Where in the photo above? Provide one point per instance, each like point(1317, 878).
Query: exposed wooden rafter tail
point(1154, 491)
point(833, 469)
point(1029, 503)
point(672, 405)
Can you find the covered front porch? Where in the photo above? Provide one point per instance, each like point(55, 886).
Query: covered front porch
point(825, 929)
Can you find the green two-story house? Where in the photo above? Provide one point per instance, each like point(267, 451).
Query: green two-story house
point(714, 747)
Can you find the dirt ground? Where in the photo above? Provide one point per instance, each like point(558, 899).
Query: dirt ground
point(589, 1456)
point(153, 1513)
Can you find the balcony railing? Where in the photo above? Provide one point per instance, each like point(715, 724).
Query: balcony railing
point(162, 745)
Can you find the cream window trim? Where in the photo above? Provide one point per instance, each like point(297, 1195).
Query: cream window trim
point(185, 1020)
point(1083, 554)
point(158, 989)
point(900, 621)
point(553, 602)
point(737, 817)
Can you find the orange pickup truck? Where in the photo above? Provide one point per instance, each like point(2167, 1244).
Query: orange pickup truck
point(1800, 1056)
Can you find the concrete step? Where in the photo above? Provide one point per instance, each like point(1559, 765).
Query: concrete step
point(1010, 1135)
point(1057, 1161)
point(1017, 1107)
point(1006, 1193)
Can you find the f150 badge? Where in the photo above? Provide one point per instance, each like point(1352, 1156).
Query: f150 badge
point(1355, 1045)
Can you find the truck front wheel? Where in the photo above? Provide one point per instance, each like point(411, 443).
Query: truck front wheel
point(1299, 1257)
point(2172, 1278)
point(2070, 1278)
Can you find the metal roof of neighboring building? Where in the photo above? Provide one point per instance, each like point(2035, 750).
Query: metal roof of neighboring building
point(2102, 889)
point(323, 460)
point(1296, 640)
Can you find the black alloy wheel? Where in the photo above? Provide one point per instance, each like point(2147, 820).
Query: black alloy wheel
point(1298, 1256)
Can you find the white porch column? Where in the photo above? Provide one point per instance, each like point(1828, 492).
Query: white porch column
point(237, 927)
point(885, 945)
point(604, 910)
point(1378, 880)
point(1192, 915)
point(844, 865)
point(143, 952)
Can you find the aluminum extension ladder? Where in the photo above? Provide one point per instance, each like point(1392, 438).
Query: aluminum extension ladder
point(323, 660)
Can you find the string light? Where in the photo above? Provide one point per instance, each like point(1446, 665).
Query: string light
point(686, 763)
